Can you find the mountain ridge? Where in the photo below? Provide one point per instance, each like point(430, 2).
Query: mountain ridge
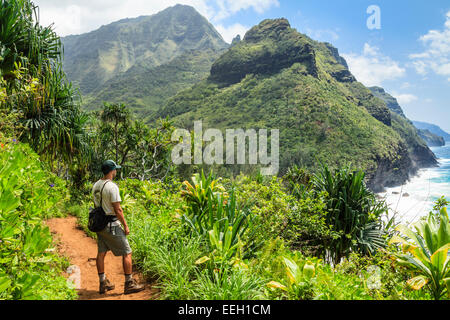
point(145, 90)
point(435, 129)
point(322, 112)
point(93, 58)
point(275, 77)
point(417, 142)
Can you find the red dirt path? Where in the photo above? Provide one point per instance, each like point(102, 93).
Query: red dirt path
point(81, 250)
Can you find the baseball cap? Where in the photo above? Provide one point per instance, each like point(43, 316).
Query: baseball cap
point(109, 165)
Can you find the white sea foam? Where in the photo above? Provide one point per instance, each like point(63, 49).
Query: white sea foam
point(423, 190)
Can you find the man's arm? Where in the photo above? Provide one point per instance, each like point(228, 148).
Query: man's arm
point(119, 213)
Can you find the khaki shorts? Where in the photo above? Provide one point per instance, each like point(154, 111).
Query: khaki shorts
point(113, 239)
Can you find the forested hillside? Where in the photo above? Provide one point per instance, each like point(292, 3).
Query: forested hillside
point(145, 89)
point(279, 78)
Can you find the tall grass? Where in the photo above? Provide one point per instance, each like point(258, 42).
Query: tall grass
point(164, 257)
point(234, 284)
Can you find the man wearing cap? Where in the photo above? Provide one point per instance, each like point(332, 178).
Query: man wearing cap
point(114, 236)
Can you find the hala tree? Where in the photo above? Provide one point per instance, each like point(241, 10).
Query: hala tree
point(35, 88)
point(143, 152)
point(352, 211)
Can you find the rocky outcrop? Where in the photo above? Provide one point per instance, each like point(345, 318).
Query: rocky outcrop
point(266, 49)
point(335, 53)
point(391, 171)
point(235, 40)
point(391, 102)
point(423, 157)
point(434, 129)
point(418, 153)
point(431, 139)
point(343, 76)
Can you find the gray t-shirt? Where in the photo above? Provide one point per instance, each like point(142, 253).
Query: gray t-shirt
point(110, 195)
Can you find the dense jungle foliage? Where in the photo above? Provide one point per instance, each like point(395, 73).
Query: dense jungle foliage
point(306, 235)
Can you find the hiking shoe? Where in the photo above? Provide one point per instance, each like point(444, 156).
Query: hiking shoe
point(106, 286)
point(132, 287)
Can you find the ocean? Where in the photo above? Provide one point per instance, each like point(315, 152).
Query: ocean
point(416, 198)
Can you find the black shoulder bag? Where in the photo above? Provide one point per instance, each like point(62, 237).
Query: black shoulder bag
point(98, 220)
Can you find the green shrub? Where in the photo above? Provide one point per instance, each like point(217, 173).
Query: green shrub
point(298, 181)
point(28, 194)
point(353, 211)
point(301, 222)
point(425, 252)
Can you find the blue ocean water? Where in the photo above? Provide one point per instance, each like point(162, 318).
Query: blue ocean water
point(443, 153)
point(416, 198)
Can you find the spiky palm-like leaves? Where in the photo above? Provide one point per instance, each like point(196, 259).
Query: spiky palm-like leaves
point(353, 211)
point(30, 55)
point(23, 39)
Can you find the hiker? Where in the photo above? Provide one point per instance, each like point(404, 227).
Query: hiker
point(114, 236)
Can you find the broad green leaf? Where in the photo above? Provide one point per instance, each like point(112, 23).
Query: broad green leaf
point(5, 282)
point(439, 257)
point(292, 270)
point(447, 284)
point(396, 239)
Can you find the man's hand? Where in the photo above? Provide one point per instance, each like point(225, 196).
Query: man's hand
point(119, 214)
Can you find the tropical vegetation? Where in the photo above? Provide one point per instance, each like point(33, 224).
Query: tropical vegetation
point(311, 233)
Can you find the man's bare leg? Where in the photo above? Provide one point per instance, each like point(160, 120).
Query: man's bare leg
point(105, 285)
point(101, 262)
point(127, 264)
point(130, 285)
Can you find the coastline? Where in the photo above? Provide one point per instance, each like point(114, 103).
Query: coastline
point(416, 198)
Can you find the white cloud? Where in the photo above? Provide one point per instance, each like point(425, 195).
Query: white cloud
point(79, 16)
point(228, 33)
point(404, 98)
point(436, 57)
point(230, 7)
point(372, 67)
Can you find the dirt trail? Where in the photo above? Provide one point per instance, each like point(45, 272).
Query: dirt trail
point(81, 251)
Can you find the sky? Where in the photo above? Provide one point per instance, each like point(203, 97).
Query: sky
point(402, 45)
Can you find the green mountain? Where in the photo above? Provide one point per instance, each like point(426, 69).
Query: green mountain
point(279, 78)
point(391, 102)
point(145, 89)
point(433, 129)
point(145, 42)
point(420, 153)
point(430, 138)
point(426, 135)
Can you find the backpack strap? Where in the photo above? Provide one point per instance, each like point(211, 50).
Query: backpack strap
point(101, 193)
